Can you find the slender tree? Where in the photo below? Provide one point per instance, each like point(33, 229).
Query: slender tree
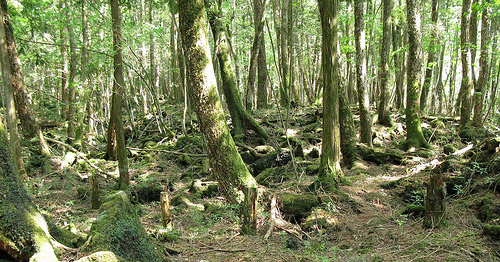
point(414, 136)
point(116, 135)
point(330, 174)
point(240, 117)
point(433, 49)
point(363, 97)
point(262, 75)
point(226, 163)
point(384, 114)
point(466, 87)
point(483, 80)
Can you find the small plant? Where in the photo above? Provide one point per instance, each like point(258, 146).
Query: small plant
point(402, 219)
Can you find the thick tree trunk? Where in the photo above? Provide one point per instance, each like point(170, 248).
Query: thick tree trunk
point(414, 137)
point(24, 233)
point(116, 121)
point(329, 174)
point(23, 108)
point(384, 114)
point(225, 161)
point(363, 97)
point(242, 120)
point(483, 80)
point(15, 147)
point(430, 58)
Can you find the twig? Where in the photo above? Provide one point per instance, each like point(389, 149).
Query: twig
point(167, 151)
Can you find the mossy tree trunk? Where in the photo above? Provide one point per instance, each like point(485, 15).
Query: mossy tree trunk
point(72, 74)
point(15, 146)
point(225, 161)
point(414, 137)
point(28, 122)
point(116, 123)
point(365, 118)
point(384, 114)
point(241, 118)
point(329, 173)
point(466, 87)
point(23, 230)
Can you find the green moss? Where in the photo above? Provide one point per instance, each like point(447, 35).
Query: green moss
point(492, 231)
point(486, 208)
point(103, 256)
point(298, 206)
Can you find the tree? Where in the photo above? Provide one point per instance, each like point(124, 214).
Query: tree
point(71, 94)
point(240, 117)
point(384, 114)
point(329, 174)
point(23, 108)
point(466, 86)
point(225, 161)
point(363, 98)
point(24, 233)
point(116, 135)
point(431, 60)
point(262, 75)
point(414, 136)
point(483, 80)
point(15, 147)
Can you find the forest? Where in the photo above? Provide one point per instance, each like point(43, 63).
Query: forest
point(257, 130)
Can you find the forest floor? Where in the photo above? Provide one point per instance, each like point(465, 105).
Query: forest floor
point(374, 228)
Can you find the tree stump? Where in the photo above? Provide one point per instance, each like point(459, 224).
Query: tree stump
point(94, 189)
point(434, 202)
point(165, 210)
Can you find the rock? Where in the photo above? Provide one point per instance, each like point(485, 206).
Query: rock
point(274, 159)
point(449, 149)
point(118, 229)
point(103, 256)
point(292, 243)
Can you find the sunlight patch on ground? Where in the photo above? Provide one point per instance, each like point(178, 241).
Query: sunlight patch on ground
point(291, 132)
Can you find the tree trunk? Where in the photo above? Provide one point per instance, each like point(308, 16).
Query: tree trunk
point(241, 118)
point(70, 117)
point(24, 233)
point(363, 97)
point(473, 39)
point(384, 114)
point(116, 122)
point(414, 137)
point(430, 58)
point(466, 87)
point(483, 80)
point(15, 147)
point(329, 174)
point(262, 64)
point(225, 161)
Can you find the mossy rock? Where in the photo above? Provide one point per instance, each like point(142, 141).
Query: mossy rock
point(272, 175)
point(274, 159)
point(118, 229)
point(202, 189)
point(391, 184)
point(454, 183)
point(487, 209)
point(264, 149)
point(437, 123)
point(414, 210)
point(146, 192)
point(312, 170)
point(63, 235)
point(314, 153)
point(449, 149)
point(102, 256)
point(492, 230)
point(412, 193)
point(296, 207)
point(320, 220)
point(184, 160)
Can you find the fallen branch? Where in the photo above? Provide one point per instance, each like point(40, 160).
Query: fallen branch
point(81, 155)
point(167, 151)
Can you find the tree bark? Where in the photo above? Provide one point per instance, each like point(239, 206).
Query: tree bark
point(242, 120)
point(15, 147)
point(414, 137)
point(225, 161)
point(430, 58)
point(483, 80)
point(363, 97)
point(384, 114)
point(466, 87)
point(115, 129)
point(23, 108)
point(329, 174)
point(24, 233)
point(262, 65)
